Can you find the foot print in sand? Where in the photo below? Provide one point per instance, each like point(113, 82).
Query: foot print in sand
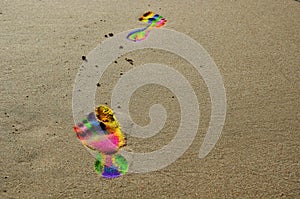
point(101, 132)
point(153, 21)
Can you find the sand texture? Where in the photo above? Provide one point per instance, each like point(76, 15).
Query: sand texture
point(255, 45)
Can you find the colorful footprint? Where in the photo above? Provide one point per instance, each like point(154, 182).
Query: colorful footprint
point(153, 21)
point(101, 132)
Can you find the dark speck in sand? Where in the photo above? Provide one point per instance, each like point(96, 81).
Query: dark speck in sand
point(98, 85)
point(110, 34)
point(116, 62)
point(105, 36)
point(121, 47)
point(121, 73)
point(96, 66)
point(84, 58)
point(173, 97)
point(129, 61)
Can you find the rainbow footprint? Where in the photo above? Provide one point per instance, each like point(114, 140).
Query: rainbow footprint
point(153, 20)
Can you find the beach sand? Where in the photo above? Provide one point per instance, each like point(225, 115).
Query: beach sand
point(256, 47)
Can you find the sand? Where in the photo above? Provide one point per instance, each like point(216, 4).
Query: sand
point(255, 45)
